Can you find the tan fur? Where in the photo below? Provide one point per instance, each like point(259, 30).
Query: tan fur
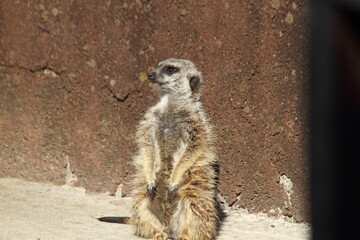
point(174, 186)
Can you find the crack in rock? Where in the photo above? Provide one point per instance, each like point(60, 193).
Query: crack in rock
point(116, 96)
point(45, 69)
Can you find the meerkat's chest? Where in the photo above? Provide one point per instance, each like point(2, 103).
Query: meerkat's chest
point(172, 126)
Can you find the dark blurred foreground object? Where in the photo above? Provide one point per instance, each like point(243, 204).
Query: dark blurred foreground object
point(335, 111)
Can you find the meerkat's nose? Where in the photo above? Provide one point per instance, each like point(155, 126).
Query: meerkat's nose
point(152, 76)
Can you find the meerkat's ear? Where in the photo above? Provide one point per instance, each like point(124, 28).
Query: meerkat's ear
point(194, 82)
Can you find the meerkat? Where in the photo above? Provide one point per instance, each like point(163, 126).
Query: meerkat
point(174, 186)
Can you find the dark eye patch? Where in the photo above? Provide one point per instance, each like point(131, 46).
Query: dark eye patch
point(170, 70)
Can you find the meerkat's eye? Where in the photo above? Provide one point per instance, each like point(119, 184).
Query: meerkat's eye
point(171, 70)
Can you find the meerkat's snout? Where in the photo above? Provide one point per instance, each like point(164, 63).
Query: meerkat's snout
point(152, 76)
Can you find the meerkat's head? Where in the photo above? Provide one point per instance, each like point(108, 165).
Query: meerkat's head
point(178, 77)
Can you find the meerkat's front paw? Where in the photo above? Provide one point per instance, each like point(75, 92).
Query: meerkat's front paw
point(151, 187)
point(172, 190)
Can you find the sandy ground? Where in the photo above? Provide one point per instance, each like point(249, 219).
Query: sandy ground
point(38, 211)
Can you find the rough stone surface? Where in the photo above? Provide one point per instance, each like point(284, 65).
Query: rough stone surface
point(72, 91)
point(43, 211)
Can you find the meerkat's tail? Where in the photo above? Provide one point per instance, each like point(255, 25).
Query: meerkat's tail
point(120, 220)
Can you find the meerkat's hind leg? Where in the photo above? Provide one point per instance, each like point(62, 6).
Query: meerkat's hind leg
point(196, 216)
point(148, 226)
point(147, 223)
point(198, 222)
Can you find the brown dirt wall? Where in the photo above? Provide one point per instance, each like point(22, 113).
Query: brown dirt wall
point(71, 91)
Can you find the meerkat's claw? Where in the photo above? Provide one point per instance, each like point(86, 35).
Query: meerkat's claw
point(172, 190)
point(152, 189)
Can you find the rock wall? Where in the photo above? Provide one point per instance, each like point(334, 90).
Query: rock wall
point(72, 90)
